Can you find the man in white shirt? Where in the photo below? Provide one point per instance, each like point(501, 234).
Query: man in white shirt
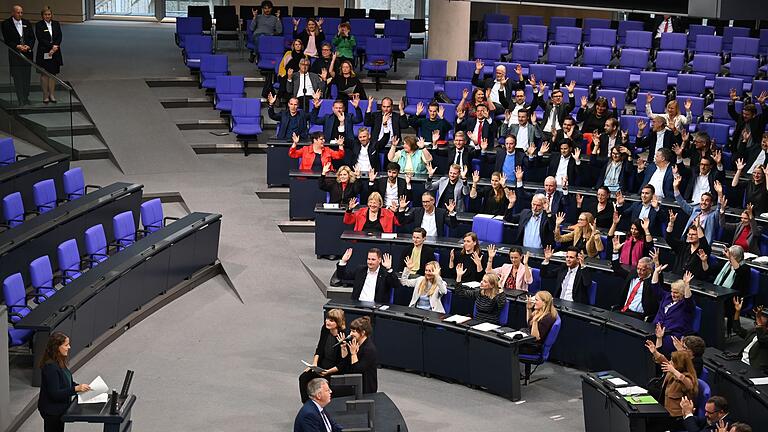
point(555, 111)
point(572, 280)
point(303, 84)
point(761, 158)
point(501, 86)
point(373, 281)
point(19, 34)
point(430, 217)
point(704, 180)
point(518, 103)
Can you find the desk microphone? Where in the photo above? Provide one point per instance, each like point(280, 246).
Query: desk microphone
point(346, 339)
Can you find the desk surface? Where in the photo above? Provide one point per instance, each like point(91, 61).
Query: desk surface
point(67, 211)
point(97, 413)
point(387, 416)
point(598, 380)
point(49, 314)
point(25, 165)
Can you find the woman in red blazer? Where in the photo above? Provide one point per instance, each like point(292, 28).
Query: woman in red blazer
point(308, 154)
point(371, 219)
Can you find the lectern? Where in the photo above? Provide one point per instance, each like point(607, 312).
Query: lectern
point(100, 413)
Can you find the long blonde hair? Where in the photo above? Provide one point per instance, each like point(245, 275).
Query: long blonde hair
point(352, 175)
point(422, 287)
point(578, 231)
point(493, 285)
point(549, 307)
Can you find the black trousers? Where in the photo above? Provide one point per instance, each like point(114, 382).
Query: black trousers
point(52, 423)
point(21, 78)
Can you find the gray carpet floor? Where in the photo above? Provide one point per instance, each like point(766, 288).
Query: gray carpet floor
point(207, 362)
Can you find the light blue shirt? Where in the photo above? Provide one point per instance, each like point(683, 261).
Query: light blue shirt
point(637, 302)
point(532, 233)
point(509, 165)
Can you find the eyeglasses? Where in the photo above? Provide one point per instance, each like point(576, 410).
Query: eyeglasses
point(557, 96)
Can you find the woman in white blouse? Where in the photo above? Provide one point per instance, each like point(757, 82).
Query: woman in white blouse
point(427, 289)
point(672, 114)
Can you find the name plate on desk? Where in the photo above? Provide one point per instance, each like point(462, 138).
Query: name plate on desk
point(331, 206)
point(389, 236)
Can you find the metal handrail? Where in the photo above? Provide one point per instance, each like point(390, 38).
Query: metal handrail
point(38, 68)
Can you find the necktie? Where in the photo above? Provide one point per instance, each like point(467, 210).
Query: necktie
point(458, 158)
point(326, 421)
point(480, 131)
point(632, 295)
point(666, 26)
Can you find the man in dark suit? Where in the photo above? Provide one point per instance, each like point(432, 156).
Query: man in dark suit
point(391, 187)
point(647, 207)
point(658, 137)
point(292, 121)
point(702, 178)
point(535, 226)
point(659, 173)
point(477, 128)
point(312, 416)
point(611, 137)
point(563, 166)
point(425, 253)
point(555, 111)
point(638, 299)
point(756, 340)
point(570, 131)
point(500, 87)
point(507, 160)
point(338, 123)
point(460, 154)
point(749, 119)
point(364, 153)
point(556, 201)
point(385, 124)
point(715, 410)
point(20, 36)
point(373, 281)
point(433, 219)
point(303, 84)
point(572, 280)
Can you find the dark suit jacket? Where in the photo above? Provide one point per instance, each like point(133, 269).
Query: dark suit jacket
point(649, 141)
point(309, 420)
point(581, 282)
point(634, 212)
point(714, 174)
point(292, 86)
point(45, 42)
point(603, 154)
point(554, 161)
point(12, 38)
point(337, 194)
point(374, 120)
point(546, 229)
point(327, 122)
point(427, 255)
point(416, 215)
point(695, 424)
point(352, 152)
point(758, 355)
point(56, 391)
point(498, 158)
point(509, 89)
point(385, 282)
point(467, 153)
point(468, 125)
point(626, 167)
point(559, 199)
point(380, 186)
point(757, 126)
point(667, 187)
point(650, 300)
point(563, 110)
point(283, 117)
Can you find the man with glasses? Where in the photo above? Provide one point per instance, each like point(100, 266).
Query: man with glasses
point(430, 217)
point(304, 84)
point(555, 111)
point(325, 61)
point(715, 411)
point(385, 123)
point(702, 178)
point(500, 87)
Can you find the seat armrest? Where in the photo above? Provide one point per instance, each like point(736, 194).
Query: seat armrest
point(92, 187)
point(21, 156)
point(167, 218)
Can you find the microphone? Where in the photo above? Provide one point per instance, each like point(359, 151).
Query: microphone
point(346, 339)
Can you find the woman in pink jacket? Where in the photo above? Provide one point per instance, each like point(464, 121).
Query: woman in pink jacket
point(516, 275)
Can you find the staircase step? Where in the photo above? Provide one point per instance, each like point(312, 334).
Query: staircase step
point(274, 193)
point(217, 124)
point(296, 226)
point(86, 146)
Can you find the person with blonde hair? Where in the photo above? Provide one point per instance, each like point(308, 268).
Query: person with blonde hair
point(48, 35)
point(489, 298)
point(428, 289)
point(344, 187)
point(541, 315)
point(515, 275)
point(328, 354)
point(672, 114)
point(372, 219)
point(585, 237)
point(676, 306)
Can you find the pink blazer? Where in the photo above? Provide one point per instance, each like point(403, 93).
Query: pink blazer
point(504, 271)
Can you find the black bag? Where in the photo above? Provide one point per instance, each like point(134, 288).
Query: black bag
point(655, 388)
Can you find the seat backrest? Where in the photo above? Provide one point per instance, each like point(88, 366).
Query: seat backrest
point(378, 48)
point(419, 91)
point(397, 29)
point(546, 73)
point(246, 108)
point(701, 398)
point(15, 296)
point(152, 214)
point(709, 44)
point(7, 151)
point(529, 20)
point(745, 47)
point(551, 338)
point(697, 105)
point(124, 228)
point(95, 240)
point(638, 39)
point(691, 84)
point(582, 75)
point(189, 25)
point(653, 81)
point(696, 319)
point(380, 15)
point(670, 61)
point(744, 67)
point(557, 22)
point(287, 22)
point(604, 37)
point(695, 30)
point(499, 32)
point(487, 51)
point(40, 272)
point(433, 70)
point(271, 45)
point(731, 32)
point(597, 56)
point(615, 79)
point(759, 86)
point(68, 255)
point(488, 229)
point(535, 286)
point(230, 85)
point(44, 194)
point(723, 86)
point(13, 209)
point(454, 89)
point(673, 42)
point(627, 26)
point(718, 131)
point(533, 33)
point(568, 36)
point(363, 27)
point(525, 53)
point(589, 24)
point(495, 18)
point(74, 183)
point(634, 59)
point(195, 45)
point(561, 54)
point(619, 95)
point(213, 63)
point(465, 69)
point(707, 64)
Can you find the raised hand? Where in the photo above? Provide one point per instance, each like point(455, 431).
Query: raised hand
point(581, 257)
point(450, 206)
point(451, 258)
point(294, 140)
point(355, 100)
point(687, 277)
point(271, 98)
point(317, 102)
point(660, 330)
point(577, 153)
point(617, 244)
point(668, 367)
point(678, 179)
point(511, 196)
point(738, 303)
point(734, 96)
point(542, 87)
point(419, 108)
point(460, 270)
point(646, 224)
point(403, 202)
point(408, 178)
point(571, 86)
point(421, 143)
point(519, 173)
point(544, 148)
point(431, 169)
point(718, 187)
point(579, 200)
point(477, 259)
point(441, 111)
point(531, 150)
point(583, 101)
point(616, 216)
point(475, 177)
point(613, 103)
point(409, 263)
point(347, 255)
point(559, 219)
point(641, 124)
point(688, 104)
point(353, 202)
point(686, 405)
point(548, 252)
point(491, 252)
point(435, 136)
point(326, 168)
point(401, 105)
point(702, 255)
point(479, 65)
point(526, 257)
point(654, 254)
point(648, 98)
point(464, 172)
point(619, 198)
point(296, 23)
point(532, 80)
point(678, 149)
point(650, 346)
point(484, 144)
point(763, 96)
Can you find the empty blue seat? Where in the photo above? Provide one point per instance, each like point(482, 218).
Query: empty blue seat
point(489, 53)
point(535, 286)
point(124, 230)
point(627, 26)
point(227, 88)
point(44, 195)
point(70, 263)
point(503, 34)
point(8, 152)
point(638, 39)
point(246, 120)
point(615, 79)
point(588, 24)
point(434, 70)
point(744, 68)
point(568, 36)
point(708, 65)
point(418, 91)
point(584, 79)
point(41, 277)
point(560, 56)
point(536, 34)
point(729, 33)
point(96, 247)
point(15, 296)
point(13, 210)
point(720, 114)
point(74, 184)
point(558, 22)
point(212, 66)
point(399, 31)
point(670, 62)
point(152, 217)
point(194, 47)
point(465, 69)
point(694, 30)
point(488, 230)
point(525, 54)
point(529, 20)
point(677, 42)
point(545, 73)
point(634, 60)
point(745, 47)
point(602, 37)
point(691, 85)
point(708, 44)
point(723, 86)
point(598, 58)
point(455, 89)
point(362, 29)
point(763, 42)
point(186, 26)
point(378, 54)
point(271, 50)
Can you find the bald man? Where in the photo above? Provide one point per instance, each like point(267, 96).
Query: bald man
point(19, 34)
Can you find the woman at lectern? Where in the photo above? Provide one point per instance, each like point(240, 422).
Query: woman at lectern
point(56, 386)
point(328, 354)
point(361, 354)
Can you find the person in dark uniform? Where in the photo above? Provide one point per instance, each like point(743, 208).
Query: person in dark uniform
point(19, 36)
point(56, 387)
point(48, 35)
point(328, 352)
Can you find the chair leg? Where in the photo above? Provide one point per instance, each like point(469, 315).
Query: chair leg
point(527, 373)
point(245, 147)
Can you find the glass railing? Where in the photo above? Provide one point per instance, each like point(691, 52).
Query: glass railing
point(25, 115)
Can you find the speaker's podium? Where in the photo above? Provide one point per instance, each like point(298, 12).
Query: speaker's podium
point(101, 413)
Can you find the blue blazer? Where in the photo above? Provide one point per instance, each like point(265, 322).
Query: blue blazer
point(669, 191)
point(327, 122)
point(309, 420)
point(283, 134)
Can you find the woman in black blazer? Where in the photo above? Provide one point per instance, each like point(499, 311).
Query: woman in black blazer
point(48, 35)
point(426, 253)
point(342, 188)
point(56, 387)
point(362, 354)
point(328, 352)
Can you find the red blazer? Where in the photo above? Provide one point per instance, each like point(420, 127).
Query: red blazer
point(387, 218)
point(307, 156)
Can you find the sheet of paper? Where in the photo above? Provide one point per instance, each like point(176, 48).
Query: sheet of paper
point(759, 381)
point(47, 56)
point(617, 381)
point(330, 205)
point(97, 394)
point(634, 390)
point(512, 335)
point(485, 327)
point(472, 284)
point(761, 259)
point(559, 254)
point(499, 217)
point(483, 215)
point(389, 236)
point(749, 256)
point(619, 233)
point(458, 319)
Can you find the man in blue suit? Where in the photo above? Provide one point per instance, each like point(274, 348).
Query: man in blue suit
point(659, 173)
point(312, 417)
point(338, 123)
point(291, 120)
point(647, 207)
